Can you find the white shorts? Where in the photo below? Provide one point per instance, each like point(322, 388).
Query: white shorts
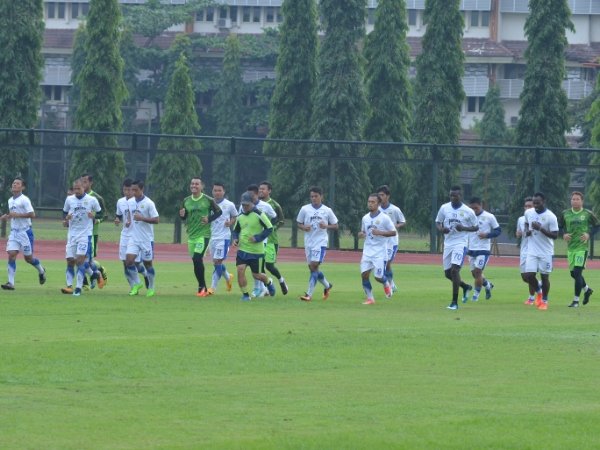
point(541, 264)
point(78, 247)
point(123, 250)
point(377, 265)
point(315, 254)
point(145, 250)
point(219, 248)
point(453, 256)
point(391, 252)
point(478, 262)
point(522, 260)
point(20, 241)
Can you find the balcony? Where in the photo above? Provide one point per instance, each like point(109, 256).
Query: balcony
point(575, 89)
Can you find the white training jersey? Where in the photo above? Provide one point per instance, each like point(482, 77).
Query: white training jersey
point(218, 230)
point(21, 205)
point(376, 246)
point(397, 216)
point(450, 217)
point(142, 232)
point(487, 222)
point(524, 238)
point(309, 215)
point(262, 207)
point(81, 224)
point(123, 212)
point(539, 244)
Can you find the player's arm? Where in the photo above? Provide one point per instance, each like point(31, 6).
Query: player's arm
point(183, 213)
point(267, 228)
point(279, 220)
point(216, 211)
point(101, 215)
point(494, 233)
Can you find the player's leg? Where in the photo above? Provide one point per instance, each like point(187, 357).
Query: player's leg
point(197, 248)
point(380, 274)
point(11, 268)
point(321, 276)
point(365, 274)
point(258, 274)
point(30, 258)
point(271, 251)
point(240, 264)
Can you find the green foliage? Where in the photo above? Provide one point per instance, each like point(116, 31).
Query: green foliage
point(389, 96)
point(21, 63)
point(490, 180)
point(593, 121)
point(169, 171)
point(292, 100)
point(439, 96)
point(543, 117)
point(101, 94)
point(339, 109)
point(228, 104)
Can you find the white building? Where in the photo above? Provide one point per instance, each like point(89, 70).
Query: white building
point(494, 43)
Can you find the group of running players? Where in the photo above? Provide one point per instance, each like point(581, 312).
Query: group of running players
point(215, 223)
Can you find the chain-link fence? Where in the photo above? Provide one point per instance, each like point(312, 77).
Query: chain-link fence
point(489, 172)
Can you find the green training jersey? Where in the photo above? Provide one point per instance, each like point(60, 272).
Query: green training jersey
point(278, 222)
point(101, 215)
point(576, 223)
point(195, 210)
point(251, 224)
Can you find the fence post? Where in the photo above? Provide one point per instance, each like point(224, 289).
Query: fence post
point(536, 170)
point(433, 232)
point(233, 169)
point(333, 235)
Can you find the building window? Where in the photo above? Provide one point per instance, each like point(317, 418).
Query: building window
point(61, 10)
point(371, 16)
point(223, 12)
point(270, 15)
point(475, 104)
point(479, 19)
point(50, 10)
point(74, 10)
point(233, 12)
point(279, 15)
point(412, 17)
point(246, 13)
point(53, 93)
point(210, 15)
point(256, 14)
point(514, 71)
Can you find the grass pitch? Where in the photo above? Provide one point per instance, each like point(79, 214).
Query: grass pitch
point(179, 372)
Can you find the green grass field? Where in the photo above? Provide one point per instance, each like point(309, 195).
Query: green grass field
point(108, 371)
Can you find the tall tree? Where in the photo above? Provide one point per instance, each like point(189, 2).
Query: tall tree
point(21, 36)
point(543, 119)
point(338, 112)
point(593, 119)
point(102, 91)
point(171, 169)
point(389, 95)
point(439, 95)
point(292, 101)
point(228, 106)
point(490, 178)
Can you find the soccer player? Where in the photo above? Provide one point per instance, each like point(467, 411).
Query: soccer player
point(376, 228)
point(480, 246)
point(259, 288)
point(80, 211)
point(577, 223)
point(520, 233)
point(198, 211)
point(399, 221)
point(272, 247)
point(456, 220)
point(251, 229)
point(123, 217)
point(144, 216)
point(541, 227)
point(20, 212)
point(220, 237)
point(315, 219)
point(88, 180)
